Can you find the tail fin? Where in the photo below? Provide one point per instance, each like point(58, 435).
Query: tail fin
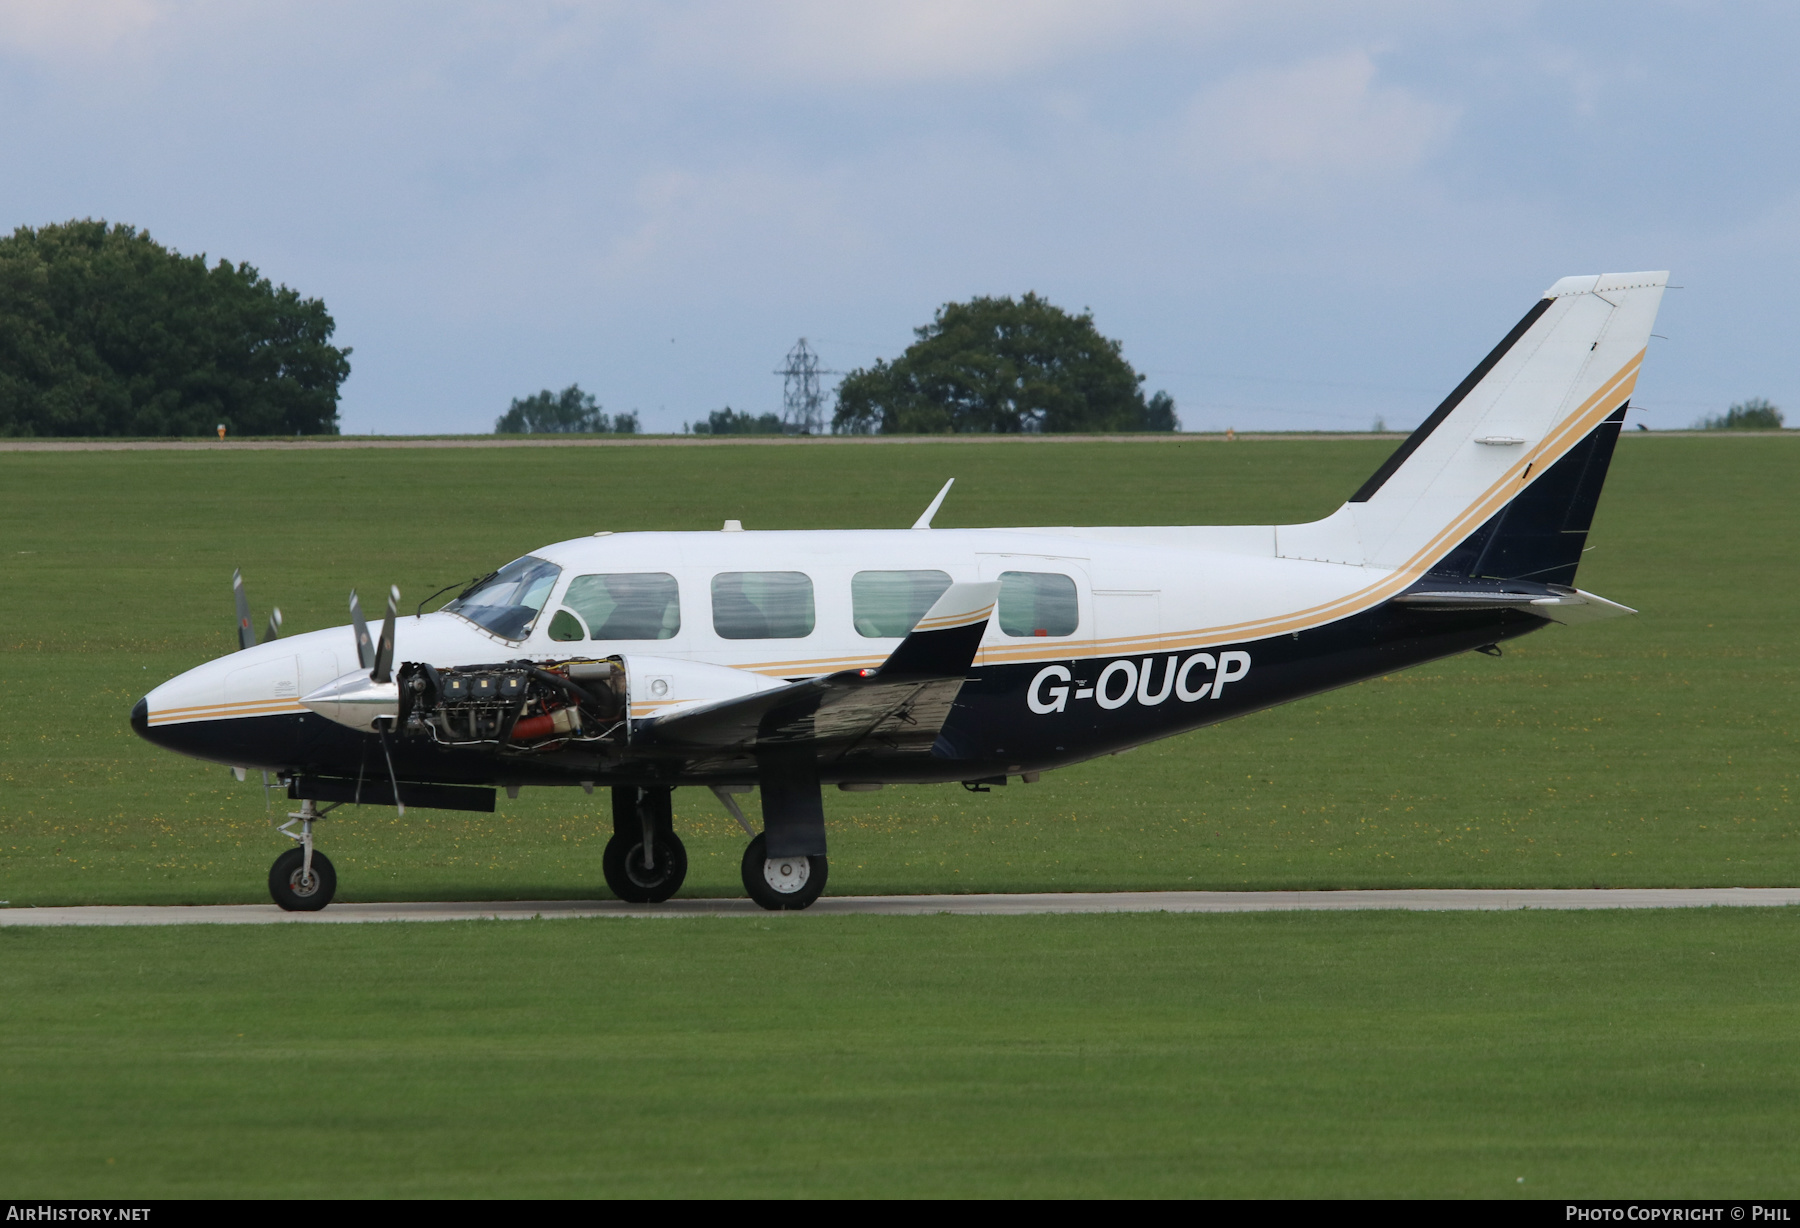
point(1502, 479)
point(1540, 535)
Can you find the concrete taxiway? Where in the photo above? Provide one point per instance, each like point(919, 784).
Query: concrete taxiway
point(1424, 899)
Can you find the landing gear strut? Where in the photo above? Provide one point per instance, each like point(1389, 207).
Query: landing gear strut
point(645, 861)
point(784, 868)
point(302, 879)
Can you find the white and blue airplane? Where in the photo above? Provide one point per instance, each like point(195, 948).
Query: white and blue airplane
point(792, 661)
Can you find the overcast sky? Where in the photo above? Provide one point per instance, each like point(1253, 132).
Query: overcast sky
point(1292, 215)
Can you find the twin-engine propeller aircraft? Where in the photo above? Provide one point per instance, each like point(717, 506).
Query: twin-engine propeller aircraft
point(788, 662)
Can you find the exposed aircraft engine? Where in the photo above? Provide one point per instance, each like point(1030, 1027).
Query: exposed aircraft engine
point(516, 706)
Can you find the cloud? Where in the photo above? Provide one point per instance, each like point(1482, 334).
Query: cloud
point(70, 29)
point(1326, 117)
point(899, 42)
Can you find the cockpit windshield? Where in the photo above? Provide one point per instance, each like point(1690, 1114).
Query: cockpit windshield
point(508, 602)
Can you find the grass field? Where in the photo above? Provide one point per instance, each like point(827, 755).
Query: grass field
point(1651, 751)
point(1592, 1055)
point(1602, 1054)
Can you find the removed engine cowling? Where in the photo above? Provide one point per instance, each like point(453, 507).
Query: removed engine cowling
point(517, 706)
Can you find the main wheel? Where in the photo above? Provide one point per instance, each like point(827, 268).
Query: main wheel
point(632, 881)
point(296, 893)
point(782, 884)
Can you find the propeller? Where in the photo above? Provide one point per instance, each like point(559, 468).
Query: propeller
point(383, 668)
point(246, 637)
point(365, 647)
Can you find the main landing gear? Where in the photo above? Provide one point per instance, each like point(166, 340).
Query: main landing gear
point(645, 861)
point(782, 884)
point(302, 879)
point(784, 869)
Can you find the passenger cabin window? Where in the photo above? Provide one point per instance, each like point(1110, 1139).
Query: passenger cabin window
point(508, 602)
point(1037, 603)
point(627, 605)
point(762, 605)
point(890, 603)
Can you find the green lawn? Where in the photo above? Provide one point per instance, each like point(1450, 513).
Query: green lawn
point(1382, 1054)
point(1649, 751)
point(1599, 1054)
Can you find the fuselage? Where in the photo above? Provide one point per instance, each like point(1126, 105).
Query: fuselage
point(1125, 635)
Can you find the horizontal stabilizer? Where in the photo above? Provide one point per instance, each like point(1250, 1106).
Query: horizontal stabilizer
point(1573, 606)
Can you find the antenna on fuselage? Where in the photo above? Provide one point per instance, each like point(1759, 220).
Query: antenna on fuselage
point(924, 522)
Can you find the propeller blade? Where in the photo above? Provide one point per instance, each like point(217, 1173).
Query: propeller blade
point(274, 631)
point(392, 779)
point(365, 647)
point(384, 651)
point(245, 636)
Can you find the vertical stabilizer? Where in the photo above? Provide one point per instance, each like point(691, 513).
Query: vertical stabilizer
point(1534, 422)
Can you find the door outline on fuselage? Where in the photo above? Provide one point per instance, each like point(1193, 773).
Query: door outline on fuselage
point(989, 565)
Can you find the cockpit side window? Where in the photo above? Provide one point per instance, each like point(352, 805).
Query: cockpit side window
point(631, 605)
point(509, 601)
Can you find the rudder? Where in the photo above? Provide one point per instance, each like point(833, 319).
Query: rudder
point(1541, 534)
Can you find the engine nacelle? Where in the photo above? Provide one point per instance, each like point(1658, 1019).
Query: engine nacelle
point(525, 706)
point(663, 686)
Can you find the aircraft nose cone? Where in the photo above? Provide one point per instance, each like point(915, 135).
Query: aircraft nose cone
point(140, 718)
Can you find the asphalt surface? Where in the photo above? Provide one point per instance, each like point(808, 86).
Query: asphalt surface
point(1422, 900)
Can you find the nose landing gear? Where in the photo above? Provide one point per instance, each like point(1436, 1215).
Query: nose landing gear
point(302, 879)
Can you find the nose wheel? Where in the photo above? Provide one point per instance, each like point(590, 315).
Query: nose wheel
point(782, 884)
point(299, 888)
point(302, 879)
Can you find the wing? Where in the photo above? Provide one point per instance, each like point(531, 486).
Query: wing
point(895, 709)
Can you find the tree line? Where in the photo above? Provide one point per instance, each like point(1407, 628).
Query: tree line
point(569, 412)
point(1007, 366)
point(991, 365)
point(104, 331)
point(1756, 414)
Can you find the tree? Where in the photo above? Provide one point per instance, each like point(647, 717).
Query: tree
point(1756, 414)
point(1002, 365)
point(729, 421)
point(568, 412)
point(104, 331)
